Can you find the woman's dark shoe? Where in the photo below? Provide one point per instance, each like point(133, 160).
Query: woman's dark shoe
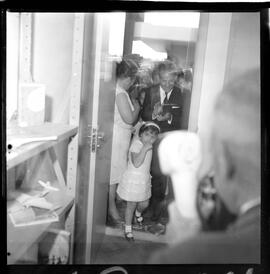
point(129, 236)
point(114, 222)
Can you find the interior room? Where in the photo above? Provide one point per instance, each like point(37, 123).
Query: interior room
point(60, 105)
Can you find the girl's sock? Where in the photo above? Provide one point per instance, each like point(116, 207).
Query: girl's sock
point(128, 228)
point(128, 233)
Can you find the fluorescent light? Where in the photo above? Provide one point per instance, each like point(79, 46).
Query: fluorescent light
point(139, 47)
point(173, 19)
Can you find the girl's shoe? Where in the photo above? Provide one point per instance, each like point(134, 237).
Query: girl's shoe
point(129, 236)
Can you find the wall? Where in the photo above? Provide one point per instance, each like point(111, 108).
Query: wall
point(52, 45)
point(244, 46)
point(183, 54)
point(232, 47)
point(228, 44)
point(209, 67)
point(12, 64)
point(52, 60)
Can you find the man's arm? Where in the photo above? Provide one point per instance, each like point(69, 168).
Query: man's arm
point(186, 108)
point(177, 110)
point(146, 113)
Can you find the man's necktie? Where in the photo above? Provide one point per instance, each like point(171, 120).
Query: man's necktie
point(166, 100)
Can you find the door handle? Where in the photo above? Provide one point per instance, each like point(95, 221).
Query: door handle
point(100, 139)
point(101, 136)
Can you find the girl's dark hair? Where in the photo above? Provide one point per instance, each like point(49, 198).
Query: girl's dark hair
point(149, 127)
point(126, 68)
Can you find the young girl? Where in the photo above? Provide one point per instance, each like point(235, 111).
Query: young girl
point(135, 186)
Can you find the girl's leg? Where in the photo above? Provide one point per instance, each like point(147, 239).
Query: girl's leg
point(113, 212)
point(141, 206)
point(130, 212)
point(128, 219)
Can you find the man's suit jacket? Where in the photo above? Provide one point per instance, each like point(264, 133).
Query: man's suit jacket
point(152, 96)
point(186, 98)
point(239, 244)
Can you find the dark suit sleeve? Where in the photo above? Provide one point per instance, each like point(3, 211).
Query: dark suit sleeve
point(186, 108)
point(146, 113)
point(177, 112)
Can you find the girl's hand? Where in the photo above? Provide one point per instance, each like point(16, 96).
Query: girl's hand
point(147, 146)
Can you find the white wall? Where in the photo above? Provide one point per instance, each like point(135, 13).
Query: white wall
point(209, 67)
point(244, 46)
point(52, 45)
point(228, 44)
point(214, 65)
point(12, 62)
point(209, 72)
point(52, 60)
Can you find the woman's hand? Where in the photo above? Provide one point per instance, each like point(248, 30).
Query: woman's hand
point(135, 103)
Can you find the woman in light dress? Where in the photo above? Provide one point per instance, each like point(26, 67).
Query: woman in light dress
point(125, 116)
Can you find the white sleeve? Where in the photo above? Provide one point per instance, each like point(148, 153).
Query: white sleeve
point(136, 145)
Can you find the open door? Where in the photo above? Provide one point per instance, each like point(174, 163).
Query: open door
point(95, 139)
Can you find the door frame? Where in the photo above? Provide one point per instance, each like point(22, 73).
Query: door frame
point(98, 28)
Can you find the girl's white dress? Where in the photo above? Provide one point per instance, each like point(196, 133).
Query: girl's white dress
point(121, 141)
point(135, 185)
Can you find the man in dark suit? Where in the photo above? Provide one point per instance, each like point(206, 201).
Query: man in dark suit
point(236, 162)
point(184, 82)
point(163, 104)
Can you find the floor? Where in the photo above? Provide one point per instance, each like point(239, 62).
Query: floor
point(115, 249)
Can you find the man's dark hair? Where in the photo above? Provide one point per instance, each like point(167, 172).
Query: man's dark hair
point(167, 66)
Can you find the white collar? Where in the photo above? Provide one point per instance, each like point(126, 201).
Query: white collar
point(163, 93)
point(250, 204)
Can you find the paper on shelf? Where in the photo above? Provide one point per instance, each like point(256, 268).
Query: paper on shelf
point(22, 198)
point(38, 202)
point(28, 200)
point(31, 216)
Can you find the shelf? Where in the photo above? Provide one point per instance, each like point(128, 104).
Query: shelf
point(28, 150)
point(20, 239)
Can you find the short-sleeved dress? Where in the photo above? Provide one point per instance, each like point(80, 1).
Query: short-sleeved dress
point(121, 141)
point(135, 185)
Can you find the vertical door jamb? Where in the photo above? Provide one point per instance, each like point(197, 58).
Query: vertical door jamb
point(74, 118)
point(98, 29)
